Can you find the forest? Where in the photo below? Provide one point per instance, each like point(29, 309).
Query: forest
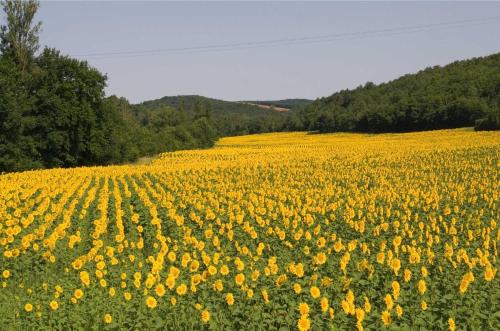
point(463, 93)
point(54, 111)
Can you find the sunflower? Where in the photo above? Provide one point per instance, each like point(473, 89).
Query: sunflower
point(451, 324)
point(321, 258)
point(239, 279)
point(212, 270)
point(489, 274)
point(85, 278)
point(421, 286)
point(304, 323)
point(386, 317)
point(360, 314)
point(54, 305)
point(108, 319)
point(205, 316)
point(407, 275)
point(388, 301)
point(28, 307)
point(230, 299)
point(218, 285)
point(224, 270)
point(315, 292)
point(396, 289)
point(181, 289)
point(368, 306)
point(160, 290)
point(324, 305)
point(399, 310)
point(304, 308)
point(265, 296)
point(170, 282)
point(151, 302)
point(78, 293)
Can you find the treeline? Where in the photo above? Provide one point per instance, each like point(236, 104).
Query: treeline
point(54, 113)
point(464, 93)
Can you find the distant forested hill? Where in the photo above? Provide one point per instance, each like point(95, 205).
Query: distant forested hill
point(194, 103)
point(463, 93)
point(229, 118)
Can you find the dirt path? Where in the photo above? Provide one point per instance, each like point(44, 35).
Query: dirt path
point(278, 109)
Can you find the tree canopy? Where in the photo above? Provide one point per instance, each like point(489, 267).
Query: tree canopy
point(463, 93)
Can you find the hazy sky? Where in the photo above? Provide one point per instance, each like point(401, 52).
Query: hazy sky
point(302, 70)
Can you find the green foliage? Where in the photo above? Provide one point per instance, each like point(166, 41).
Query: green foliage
point(229, 118)
point(165, 128)
point(56, 115)
point(71, 119)
point(19, 38)
point(491, 121)
point(452, 96)
point(17, 147)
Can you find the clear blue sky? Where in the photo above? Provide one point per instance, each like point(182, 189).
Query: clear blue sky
point(293, 71)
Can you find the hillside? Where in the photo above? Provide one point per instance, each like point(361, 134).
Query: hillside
point(230, 118)
point(286, 103)
point(463, 93)
point(192, 103)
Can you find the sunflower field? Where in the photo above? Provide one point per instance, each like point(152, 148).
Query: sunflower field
point(279, 231)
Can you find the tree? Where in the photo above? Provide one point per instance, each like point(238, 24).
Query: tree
point(198, 111)
point(182, 106)
point(208, 109)
point(204, 132)
point(69, 111)
point(19, 38)
point(18, 150)
point(490, 122)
